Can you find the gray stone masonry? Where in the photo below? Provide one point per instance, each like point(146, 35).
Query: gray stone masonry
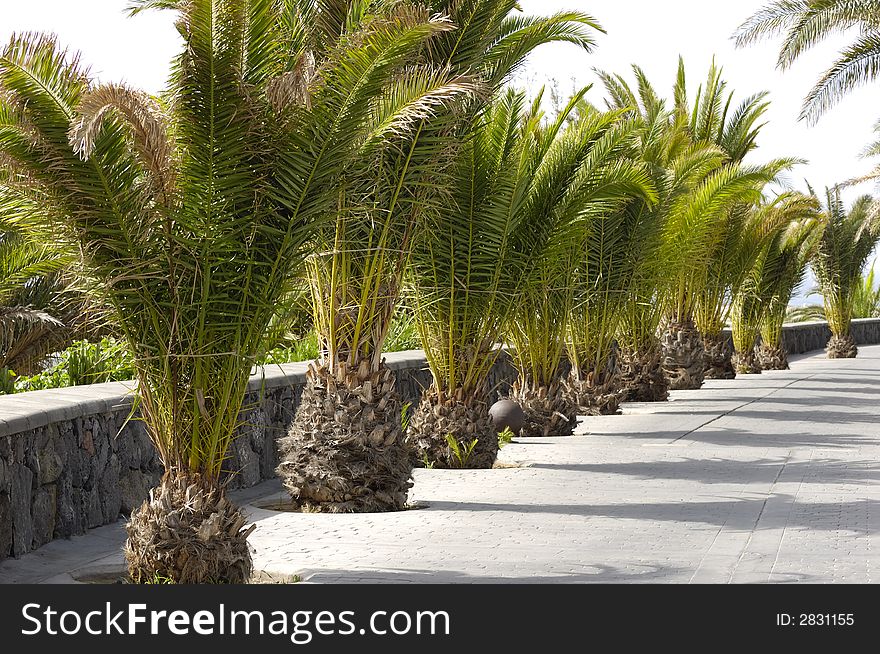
point(72, 459)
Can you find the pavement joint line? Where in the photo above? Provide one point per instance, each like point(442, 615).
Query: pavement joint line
point(703, 558)
point(788, 517)
point(741, 406)
point(761, 513)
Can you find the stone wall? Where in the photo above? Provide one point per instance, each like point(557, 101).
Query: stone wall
point(71, 459)
point(806, 337)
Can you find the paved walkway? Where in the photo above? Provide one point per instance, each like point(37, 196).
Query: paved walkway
point(766, 478)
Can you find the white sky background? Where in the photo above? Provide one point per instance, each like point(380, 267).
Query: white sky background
point(653, 34)
point(649, 33)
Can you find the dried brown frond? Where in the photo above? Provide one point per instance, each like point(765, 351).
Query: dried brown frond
point(294, 88)
point(410, 15)
point(149, 129)
point(26, 336)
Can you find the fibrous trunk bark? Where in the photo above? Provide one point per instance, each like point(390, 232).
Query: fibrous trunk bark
point(465, 419)
point(345, 451)
point(772, 358)
point(548, 409)
point(641, 375)
point(842, 347)
point(187, 532)
point(746, 363)
point(683, 356)
point(719, 358)
point(594, 395)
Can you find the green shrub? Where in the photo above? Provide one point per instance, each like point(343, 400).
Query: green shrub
point(403, 334)
point(81, 364)
point(304, 350)
point(7, 381)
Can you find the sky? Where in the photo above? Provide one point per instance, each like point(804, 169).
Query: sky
point(644, 32)
point(654, 34)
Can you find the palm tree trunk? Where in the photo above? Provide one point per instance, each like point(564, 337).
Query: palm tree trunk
point(842, 346)
point(772, 358)
point(549, 411)
point(746, 363)
point(345, 451)
point(719, 355)
point(465, 418)
point(683, 355)
point(641, 374)
point(595, 394)
point(187, 532)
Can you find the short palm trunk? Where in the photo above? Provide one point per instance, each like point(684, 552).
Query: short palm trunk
point(187, 532)
point(594, 395)
point(345, 452)
point(549, 411)
point(719, 358)
point(684, 354)
point(453, 432)
point(842, 347)
point(641, 375)
point(772, 358)
point(746, 363)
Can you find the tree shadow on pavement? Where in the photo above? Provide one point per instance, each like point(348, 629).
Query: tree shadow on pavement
point(859, 516)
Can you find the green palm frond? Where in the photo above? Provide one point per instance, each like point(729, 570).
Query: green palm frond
point(803, 24)
point(250, 148)
point(584, 177)
point(520, 35)
point(777, 270)
point(858, 65)
point(692, 230)
point(847, 242)
point(866, 303)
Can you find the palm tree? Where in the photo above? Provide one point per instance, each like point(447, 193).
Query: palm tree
point(793, 217)
point(781, 271)
point(578, 177)
point(684, 352)
point(465, 268)
point(538, 322)
point(746, 230)
point(465, 275)
point(607, 258)
point(741, 232)
point(696, 154)
point(867, 296)
point(345, 450)
point(31, 319)
point(806, 23)
point(847, 242)
point(194, 212)
point(676, 169)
